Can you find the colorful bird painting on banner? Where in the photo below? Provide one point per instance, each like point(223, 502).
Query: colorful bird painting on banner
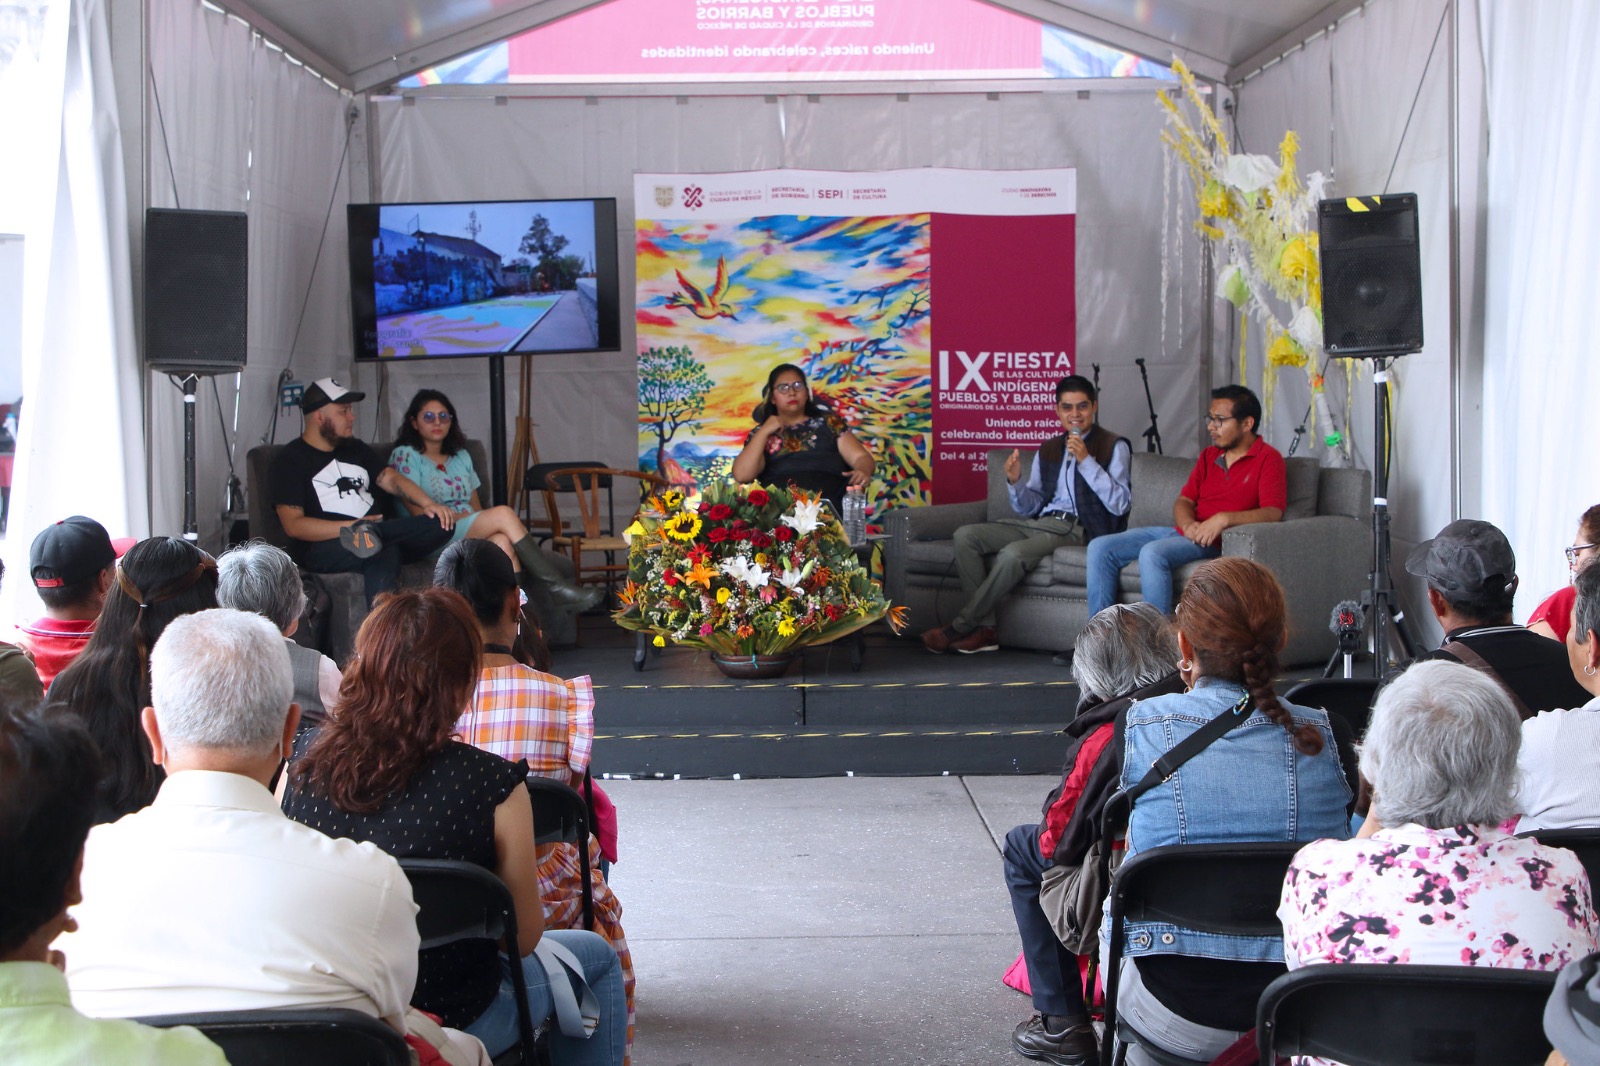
point(702, 304)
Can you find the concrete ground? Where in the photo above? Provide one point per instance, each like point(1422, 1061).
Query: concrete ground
point(830, 920)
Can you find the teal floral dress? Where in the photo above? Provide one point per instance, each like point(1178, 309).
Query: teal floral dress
point(451, 484)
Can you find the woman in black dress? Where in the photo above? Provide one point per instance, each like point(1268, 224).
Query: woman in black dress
point(386, 770)
point(798, 443)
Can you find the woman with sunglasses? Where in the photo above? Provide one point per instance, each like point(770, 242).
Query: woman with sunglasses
point(431, 450)
point(1553, 617)
point(798, 443)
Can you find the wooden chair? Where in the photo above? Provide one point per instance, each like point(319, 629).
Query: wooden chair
point(588, 535)
point(533, 481)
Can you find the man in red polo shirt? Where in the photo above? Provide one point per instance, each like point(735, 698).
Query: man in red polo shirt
point(73, 564)
point(1240, 479)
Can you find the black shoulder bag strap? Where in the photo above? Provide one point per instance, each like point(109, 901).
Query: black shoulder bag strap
point(1120, 806)
point(1466, 656)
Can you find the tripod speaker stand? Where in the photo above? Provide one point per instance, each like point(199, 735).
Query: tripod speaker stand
point(1372, 309)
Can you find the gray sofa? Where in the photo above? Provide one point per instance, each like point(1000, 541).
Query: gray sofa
point(1321, 552)
point(346, 599)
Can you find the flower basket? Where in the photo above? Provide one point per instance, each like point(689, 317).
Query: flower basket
point(752, 570)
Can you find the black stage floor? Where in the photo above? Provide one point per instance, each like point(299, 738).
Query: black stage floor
point(905, 712)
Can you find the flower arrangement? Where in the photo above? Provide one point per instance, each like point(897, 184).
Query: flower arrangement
point(1261, 219)
point(750, 570)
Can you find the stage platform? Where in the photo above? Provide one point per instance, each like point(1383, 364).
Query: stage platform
point(905, 712)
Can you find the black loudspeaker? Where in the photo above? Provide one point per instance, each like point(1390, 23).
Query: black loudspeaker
point(195, 291)
point(1371, 276)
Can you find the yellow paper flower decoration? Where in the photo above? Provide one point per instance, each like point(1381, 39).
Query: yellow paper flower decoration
point(684, 526)
point(1298, 261)
point(1285, 351)
point(1214, 200)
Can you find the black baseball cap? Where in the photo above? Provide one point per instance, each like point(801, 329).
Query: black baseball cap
point(1468, 556)
point(73, 550)
point(324, 391)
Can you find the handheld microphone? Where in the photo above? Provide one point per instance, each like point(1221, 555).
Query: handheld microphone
point(1347, 623)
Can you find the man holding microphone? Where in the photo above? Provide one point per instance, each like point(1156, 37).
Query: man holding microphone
point(1077, 490)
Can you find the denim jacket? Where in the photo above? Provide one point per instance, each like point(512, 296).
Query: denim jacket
point(1250, 784)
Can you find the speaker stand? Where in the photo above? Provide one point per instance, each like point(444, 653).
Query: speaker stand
point(1383, 613)
point(191, 526)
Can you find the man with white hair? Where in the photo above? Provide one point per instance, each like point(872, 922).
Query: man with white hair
point(210, 899)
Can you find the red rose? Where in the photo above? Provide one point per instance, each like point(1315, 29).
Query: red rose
point(704, 507)
point(740, 533)
point(759, 497)
point(719, 512)
point(784, 533)
point(717, 534)
point(760, 540)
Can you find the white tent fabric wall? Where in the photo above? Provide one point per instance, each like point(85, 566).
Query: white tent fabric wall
point(247, 130)
point(1544, 224)
point(79, 449)
point(1347, 94)
point(459, 148)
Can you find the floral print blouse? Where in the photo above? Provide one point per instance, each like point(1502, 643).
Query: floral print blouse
point(1464, 896)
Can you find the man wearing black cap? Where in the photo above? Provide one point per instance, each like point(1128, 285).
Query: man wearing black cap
point(327, 489)
point(73, 564)
point(1471, 573)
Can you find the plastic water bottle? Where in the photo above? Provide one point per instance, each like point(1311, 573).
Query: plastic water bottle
point(855, 516)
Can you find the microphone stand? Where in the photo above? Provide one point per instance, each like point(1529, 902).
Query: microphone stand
point(1152, 436)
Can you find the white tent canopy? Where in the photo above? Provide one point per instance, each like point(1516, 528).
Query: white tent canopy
point(286, 110)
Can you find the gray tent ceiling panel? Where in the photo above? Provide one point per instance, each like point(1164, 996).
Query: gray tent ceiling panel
point(365, 44)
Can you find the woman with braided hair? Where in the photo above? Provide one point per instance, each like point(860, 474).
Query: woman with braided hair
point(108, 685)
point(1275, 775)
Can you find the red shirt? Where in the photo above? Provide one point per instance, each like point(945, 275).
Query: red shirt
point(1556, 611)
point(1258, 479)
point(54, 643)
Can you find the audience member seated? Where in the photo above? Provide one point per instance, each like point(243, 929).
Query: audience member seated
point(160, 579)
point(73, 564)
point(799, 443)
point(1442, 883)
point(210, 899)
point(1125, 653)
point(49, 771)
point(519, 713)
point(1559, 788)
point(1239, 480)
point(19, 680)
point(1572, 1014)
point(431, 450)
point(1551, 618)
point(1274, 776)
point(260, 578)
point(386, 769)
point(1076, 490)
point(1471, 573)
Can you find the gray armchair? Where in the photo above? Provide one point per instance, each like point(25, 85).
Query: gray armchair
point(1321, 552)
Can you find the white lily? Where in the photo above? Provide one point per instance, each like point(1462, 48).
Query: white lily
point(804, 519)
point(742, 569)
point(791, 579)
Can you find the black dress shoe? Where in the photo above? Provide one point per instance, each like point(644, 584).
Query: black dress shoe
point(1074, 1047)
point(1063, 659)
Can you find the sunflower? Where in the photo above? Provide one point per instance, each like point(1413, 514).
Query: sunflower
point(683, 526)
point(672, 499)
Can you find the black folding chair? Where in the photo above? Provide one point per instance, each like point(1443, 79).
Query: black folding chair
point(303, 1037)
point(1230, 889)
point(560, 816)
point(1363, 1014)
point(463, 901)
point(1584, 842)
point(1348, 697)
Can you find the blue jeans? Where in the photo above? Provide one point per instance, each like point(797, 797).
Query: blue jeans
point(405, 540)
point(1159, 549)
point(1052, 969)
point(497, 1026)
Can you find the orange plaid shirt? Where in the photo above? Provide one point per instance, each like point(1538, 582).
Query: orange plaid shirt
point(519, 713)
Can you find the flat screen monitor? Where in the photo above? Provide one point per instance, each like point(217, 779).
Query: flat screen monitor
point(443, 280)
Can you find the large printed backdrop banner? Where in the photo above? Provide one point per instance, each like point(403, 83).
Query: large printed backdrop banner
point(931, 309)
